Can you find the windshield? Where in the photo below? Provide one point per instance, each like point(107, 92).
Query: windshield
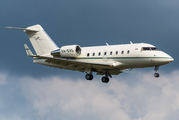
point(149, 49)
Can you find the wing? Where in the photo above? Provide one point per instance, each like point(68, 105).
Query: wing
point(73, 64)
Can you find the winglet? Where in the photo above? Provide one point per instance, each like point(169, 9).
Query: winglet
point(28, 51)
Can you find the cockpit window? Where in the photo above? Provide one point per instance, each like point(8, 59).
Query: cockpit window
point(154, 48)
point(149, 48)
point(146, 48)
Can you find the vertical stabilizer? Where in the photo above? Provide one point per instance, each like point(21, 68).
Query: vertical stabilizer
point(40, 40)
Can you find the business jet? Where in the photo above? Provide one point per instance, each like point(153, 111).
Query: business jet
point(104, 60)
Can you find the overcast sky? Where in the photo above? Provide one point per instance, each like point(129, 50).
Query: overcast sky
point(31, 91)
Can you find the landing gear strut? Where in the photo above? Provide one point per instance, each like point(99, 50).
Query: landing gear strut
point(156, 75)
point(105, 79)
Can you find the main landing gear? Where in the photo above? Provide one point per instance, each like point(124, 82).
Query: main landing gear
point(104, 79)
point(89, 76)
point(156, 75)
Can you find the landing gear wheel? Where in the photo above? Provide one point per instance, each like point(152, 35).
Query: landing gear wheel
point(89, 76)
point(105, 79)
point(156, 75)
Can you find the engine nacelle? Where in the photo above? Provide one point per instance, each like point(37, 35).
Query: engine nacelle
point(68, 51)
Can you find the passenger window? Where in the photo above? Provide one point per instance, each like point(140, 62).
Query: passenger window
point(99, 54)
point(111, 53)
point(122, 52)
point(87, 54)
point(128, 51)
point(93, 54)
point(116, 52)
point(105, 53)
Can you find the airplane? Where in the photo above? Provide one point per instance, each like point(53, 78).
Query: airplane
point(105, 60)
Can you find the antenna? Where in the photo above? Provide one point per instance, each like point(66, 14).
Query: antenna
point(107, 44)
point(131, 42)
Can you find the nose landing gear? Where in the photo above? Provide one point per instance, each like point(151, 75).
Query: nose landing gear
point(156, 75)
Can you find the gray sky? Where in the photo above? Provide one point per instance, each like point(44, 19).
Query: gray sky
point(87, 23)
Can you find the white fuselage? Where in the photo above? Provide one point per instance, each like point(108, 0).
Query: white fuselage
point(122, 56)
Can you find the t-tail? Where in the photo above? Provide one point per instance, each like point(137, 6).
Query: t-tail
point(39, 39)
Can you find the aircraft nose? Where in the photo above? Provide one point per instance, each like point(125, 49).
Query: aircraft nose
point(164, 59)
point(171, 60)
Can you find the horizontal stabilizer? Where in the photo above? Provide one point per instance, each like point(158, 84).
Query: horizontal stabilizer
point(28, 51)
point(26, 29)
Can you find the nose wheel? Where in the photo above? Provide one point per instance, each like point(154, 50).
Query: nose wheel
point(156, 75)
